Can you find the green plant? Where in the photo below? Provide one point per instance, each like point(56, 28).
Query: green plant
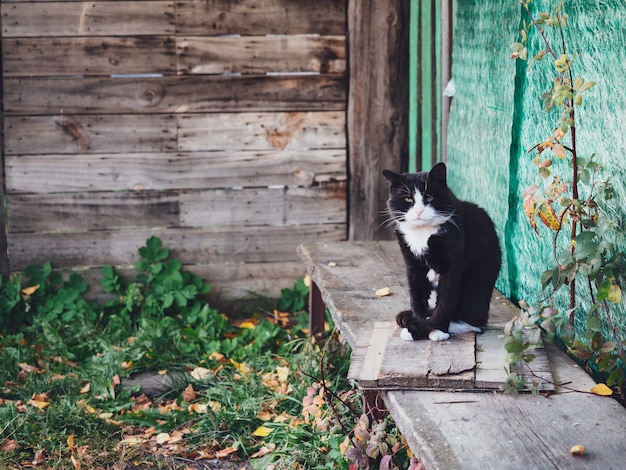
point(569, 203)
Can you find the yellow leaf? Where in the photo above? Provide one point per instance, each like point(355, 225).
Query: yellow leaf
point(126, 365)
point(577, 450)
point(602, 390)
point(200, 373)
point(70, 442)
point(200, 408)
point(26, 291)
point(383, 292)
point(38, 403)
point(85, 388)
point(248, 325)
point(162, 438)
point(615, 294)
point(282, 373)
point(262, 431)
point(548, 216)
point(558, 150)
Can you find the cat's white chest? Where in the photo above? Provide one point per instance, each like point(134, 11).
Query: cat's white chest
point(417, 237)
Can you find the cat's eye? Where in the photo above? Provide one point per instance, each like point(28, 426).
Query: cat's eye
point(428, 198)
point(409, 200)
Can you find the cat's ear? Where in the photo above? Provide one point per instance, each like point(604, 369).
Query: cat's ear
point(438, 174)
point(391, 176)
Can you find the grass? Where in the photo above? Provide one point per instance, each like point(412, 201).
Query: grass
point(256, 390)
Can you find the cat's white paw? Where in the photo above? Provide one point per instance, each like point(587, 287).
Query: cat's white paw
point(406, 335)
point(438, 335)
point(458, 327)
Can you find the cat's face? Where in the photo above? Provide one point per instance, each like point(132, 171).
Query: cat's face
point(419, 199)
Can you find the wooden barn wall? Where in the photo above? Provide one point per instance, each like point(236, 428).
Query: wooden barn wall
point(218, 126)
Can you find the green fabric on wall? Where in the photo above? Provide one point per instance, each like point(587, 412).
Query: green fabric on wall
point(497, 116)
point(482, 110)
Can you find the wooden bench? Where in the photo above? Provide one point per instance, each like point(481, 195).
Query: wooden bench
point(478, 427)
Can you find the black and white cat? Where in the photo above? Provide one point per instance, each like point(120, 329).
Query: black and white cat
point(451, 251)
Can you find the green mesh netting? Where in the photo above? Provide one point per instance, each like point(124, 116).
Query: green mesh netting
point(496, 116)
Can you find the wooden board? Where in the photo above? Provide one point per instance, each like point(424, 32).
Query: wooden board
point(123, 18)
point(260, 17)
point(174, 94)
point(236, 244)
point(261, 54)
point(164, 171)
point(262, 131)
point(79, 212)
point(45, 57)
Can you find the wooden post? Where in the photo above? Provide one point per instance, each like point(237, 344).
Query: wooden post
point(317, 312)
point(378, 101)
point(374, 406)
point(4, 254)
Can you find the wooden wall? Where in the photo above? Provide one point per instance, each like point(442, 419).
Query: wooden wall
point(217, 125)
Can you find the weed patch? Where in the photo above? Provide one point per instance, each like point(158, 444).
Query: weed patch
point(74, 378)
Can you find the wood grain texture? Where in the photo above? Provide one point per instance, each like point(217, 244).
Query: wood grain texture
point(262, 131)
point(377, 107)
point(261, 54)
point(463, 430)
point(58, 57)
point(163, 171)
point(174, 94)
point(259, 17)
point(123, 18)
point(66, 134)
point(196, 246)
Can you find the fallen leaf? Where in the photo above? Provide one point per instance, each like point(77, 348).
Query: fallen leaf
point(264, 451)
point(220, 454)
point(383, 292)
point(9, 445)
point(248, 325)
point(577, 450)
point(131, 441)
point(200, 373)
point(70, 442)
point(85, 388)
point(189, 394)
point(26, 291)
point(262, 431)
point(39, 458)
point(75, 462)
point(602, 390)
point(28, 368)
point(116, 380)
point(126, 365)
point(162, 438)
point(200, 408)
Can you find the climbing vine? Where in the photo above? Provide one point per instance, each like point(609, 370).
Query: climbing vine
point(569, 201)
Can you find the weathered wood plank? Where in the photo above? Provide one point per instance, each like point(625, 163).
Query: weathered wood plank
point(374, 355)
point(215, 245)
point(78, 212)
point(377, 108)
point(261, 54)
point(162, 171)
point(263, 206)
point(452, 362)
point(406, 363)
point(260, 17)
point(89, 134)
point(120, 18)
point(42, 57)
point(174, 94)
point(262, 131)
point(491, 362)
